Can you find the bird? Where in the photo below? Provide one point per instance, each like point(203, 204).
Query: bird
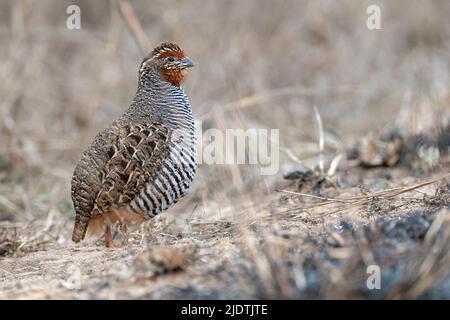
point(145, 161)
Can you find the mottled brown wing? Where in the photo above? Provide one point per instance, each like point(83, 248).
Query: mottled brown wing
point(133, 158)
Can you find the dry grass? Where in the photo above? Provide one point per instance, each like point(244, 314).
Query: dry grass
point(309, 68)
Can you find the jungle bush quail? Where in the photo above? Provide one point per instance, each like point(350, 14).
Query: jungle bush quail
point(144, 162)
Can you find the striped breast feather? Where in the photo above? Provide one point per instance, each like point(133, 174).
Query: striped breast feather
point(135, 157)
point(175, 175)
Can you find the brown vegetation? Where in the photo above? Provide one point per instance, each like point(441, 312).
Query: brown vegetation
point(364, 141)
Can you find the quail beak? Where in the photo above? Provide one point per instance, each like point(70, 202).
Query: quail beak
point(186, 63)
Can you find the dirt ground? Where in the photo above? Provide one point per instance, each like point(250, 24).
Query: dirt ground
point(363, 117)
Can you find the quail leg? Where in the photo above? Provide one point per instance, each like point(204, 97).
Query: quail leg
point(109, 238)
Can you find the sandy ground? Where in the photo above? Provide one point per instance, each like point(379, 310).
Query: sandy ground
point(381, 96)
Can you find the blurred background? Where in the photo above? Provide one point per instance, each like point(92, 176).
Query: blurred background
point(259, 64)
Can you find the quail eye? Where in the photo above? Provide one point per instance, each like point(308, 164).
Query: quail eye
point(171, 59)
